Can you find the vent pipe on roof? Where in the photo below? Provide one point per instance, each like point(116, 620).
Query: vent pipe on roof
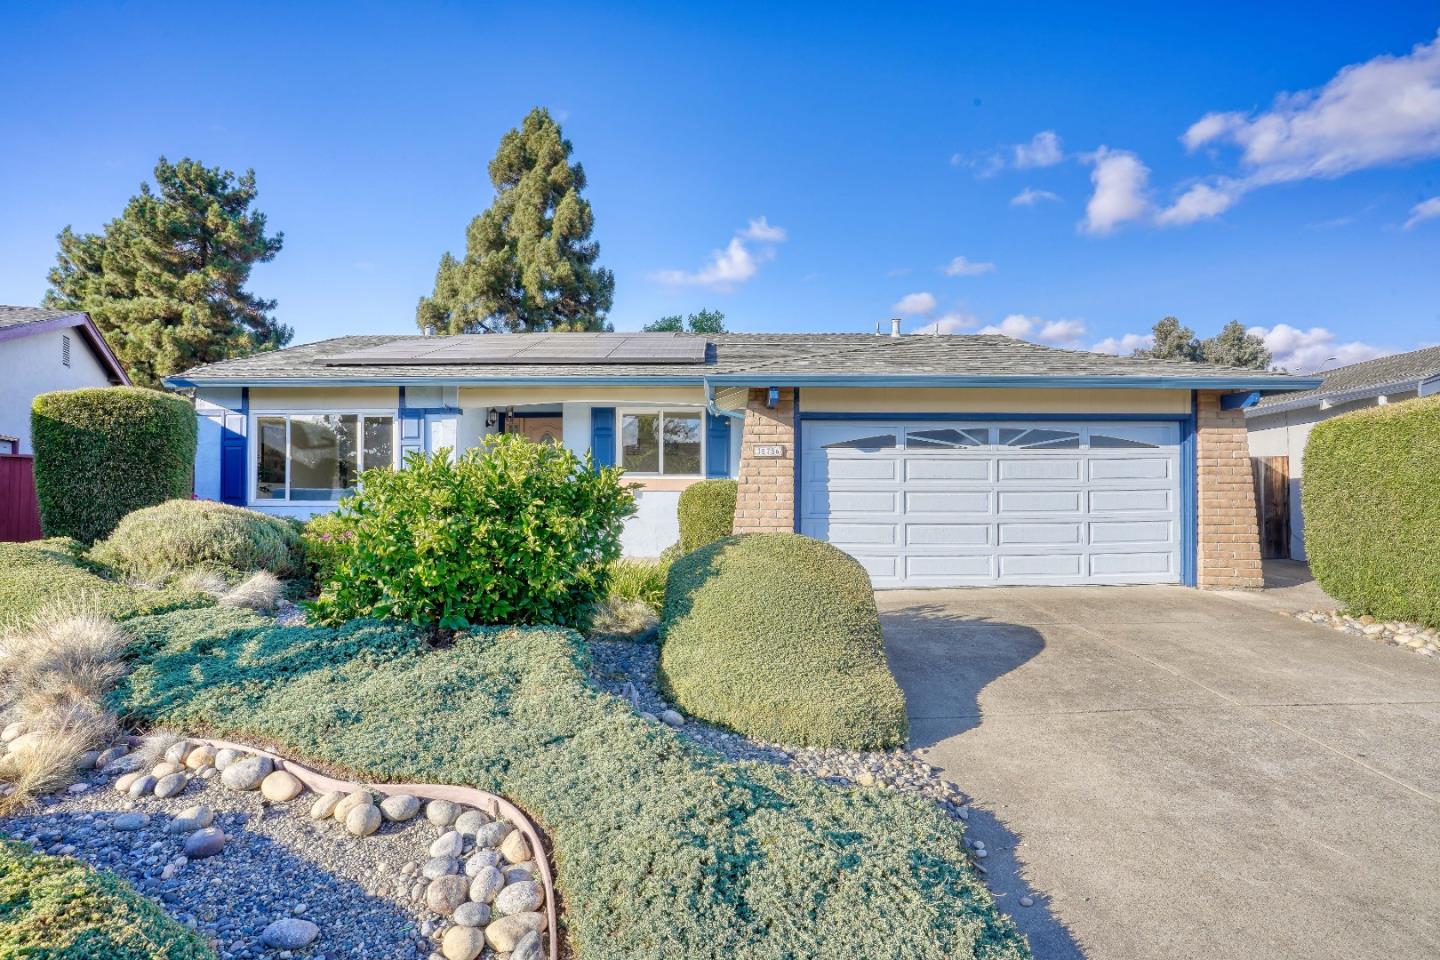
point(894, 326)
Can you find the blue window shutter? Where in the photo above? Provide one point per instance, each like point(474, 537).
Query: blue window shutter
point(717, 445)
point(602, 435)
point(232, 451)
point(412, 430)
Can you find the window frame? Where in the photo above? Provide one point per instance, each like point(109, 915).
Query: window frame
point(622, 412)
point(252, 444)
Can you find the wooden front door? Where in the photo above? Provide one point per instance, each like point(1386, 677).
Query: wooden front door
point(1272, 505)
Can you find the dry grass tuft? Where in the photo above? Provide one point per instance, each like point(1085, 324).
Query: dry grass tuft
point(260, 591)
point(151, 750)
point(623, 620)
point(47, 758)
point(204, 581)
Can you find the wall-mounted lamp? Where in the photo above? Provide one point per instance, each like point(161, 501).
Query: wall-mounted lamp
point(492, 417)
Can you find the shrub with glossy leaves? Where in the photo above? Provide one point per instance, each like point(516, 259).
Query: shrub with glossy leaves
point(707, 512)
point(183, 535)
point(513, 532)
point(326, 537)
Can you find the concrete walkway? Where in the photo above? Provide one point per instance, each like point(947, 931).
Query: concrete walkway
point(1177, 774)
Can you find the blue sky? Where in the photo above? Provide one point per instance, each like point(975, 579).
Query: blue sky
point(798, 166)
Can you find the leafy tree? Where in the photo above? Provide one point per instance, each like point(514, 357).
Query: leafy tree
point(529, 262)
point(165, 281)
point(1234, 347)
point(704, 321)
point(1173, 341)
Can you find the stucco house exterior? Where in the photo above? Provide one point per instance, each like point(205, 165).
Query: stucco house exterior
point(936, 461)
point(1280, 424)
point(43, 350)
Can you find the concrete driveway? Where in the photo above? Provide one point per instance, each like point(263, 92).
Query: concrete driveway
point(1171, 773)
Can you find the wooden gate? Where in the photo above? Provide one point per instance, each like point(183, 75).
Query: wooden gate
point(19, 510)
point(1272, 505)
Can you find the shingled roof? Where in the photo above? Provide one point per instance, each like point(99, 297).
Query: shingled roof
point(20, 316)
point(1397, 372)
point(20, 322)
point(786, 359)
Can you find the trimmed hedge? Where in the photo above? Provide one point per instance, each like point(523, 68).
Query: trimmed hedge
point(103, 452)
point(44, 572)
point(777, 636)
point(1371, 497)
point(707, 512)
point(57, 908)
point(181, 535)
point(664, 850)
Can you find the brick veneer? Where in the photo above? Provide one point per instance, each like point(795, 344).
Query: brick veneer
point(1229, 547)
point(765, 501)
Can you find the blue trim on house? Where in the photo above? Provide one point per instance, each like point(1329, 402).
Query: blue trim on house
point(826, 415)
point(1239, 401)
point(412, 429)
point(717, 445)
point(1189, 497)
point(234, 448)
point(795, 451)
point(602, 436)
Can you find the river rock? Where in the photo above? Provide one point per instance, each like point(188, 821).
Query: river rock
point(281, 787)
point(122, 785)
point(523, 897)
point(446, 893)
point(462, 943)
point(519, 872)
point(226, 756)
point(437, 867)
point(86, 760)
point(204, 843)
point(480, 859)
point(191, 819)
point(144, 785)
point(175, 753)
point(130, 822)
point(325, 804)
point(164, 768)
point(11, 731)
point(108, 757)
point(472, 914)
point(359, 798)
point(528, 948)
point(201, 756)
point(247, 774)
point(449, 844)
point(505, 933)
point(672, 718)
point(487, 883)
point(492, 834)
point(442, 813)
point(171, 785)
point(400, 807)
point(514, 848)
point(289, 934)
point(363, 820)
point(470, 822)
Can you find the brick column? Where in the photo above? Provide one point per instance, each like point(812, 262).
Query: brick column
point(765, 501)
point(1229, 547)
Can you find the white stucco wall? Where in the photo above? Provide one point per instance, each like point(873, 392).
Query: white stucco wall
point(31, 365)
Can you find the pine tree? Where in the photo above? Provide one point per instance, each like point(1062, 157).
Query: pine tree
point(529, 262)
point(1234, 347)
point(1173, 341)
point(165, 281)
point(703, 321)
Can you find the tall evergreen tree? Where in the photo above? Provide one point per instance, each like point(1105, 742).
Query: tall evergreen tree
point(1173, 341)
point(165, 281)
point(702, 321)
point(529, 262)
point(1234, 347)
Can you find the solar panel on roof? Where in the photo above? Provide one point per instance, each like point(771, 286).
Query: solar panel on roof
point(530, 348)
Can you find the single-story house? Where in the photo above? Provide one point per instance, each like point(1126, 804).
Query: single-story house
point(1280, 425)
point(934, 460)
point(43, 350)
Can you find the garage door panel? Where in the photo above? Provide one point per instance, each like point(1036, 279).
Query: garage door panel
point(965, 565)
point(947, 534)
point(949, 468)
point(1144, 531)
point(1130, 468)
point(1131, 501)
point(879, 567)
point(824, 502)
point(848, 468)
point(1050, 534)
point(870, 534)
point(1114, 564)
point(1040, 501)
point(947, 502)
point(1042, 565)
point(1040, 468)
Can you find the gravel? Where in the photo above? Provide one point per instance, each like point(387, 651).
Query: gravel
point(1422, 640)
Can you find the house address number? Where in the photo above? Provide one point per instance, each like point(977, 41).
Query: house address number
point(769, 451)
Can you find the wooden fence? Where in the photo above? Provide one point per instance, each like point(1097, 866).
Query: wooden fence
point(1272, 504)
point(19, 510)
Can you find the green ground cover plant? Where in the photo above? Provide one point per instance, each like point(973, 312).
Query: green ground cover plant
point(103, 452)
point(178, 536)
point(1371, 499)
point(513, 532)
point(46, 573)
point(56, 908)
point(663, 850)
point(777, 636)
point(707, 512)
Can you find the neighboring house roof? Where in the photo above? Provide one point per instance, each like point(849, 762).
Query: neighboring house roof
point(18, 322)
point(732, 359)
point(1397, 373)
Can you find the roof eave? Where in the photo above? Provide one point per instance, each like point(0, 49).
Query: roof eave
point(92, 335)
point(1339, 396)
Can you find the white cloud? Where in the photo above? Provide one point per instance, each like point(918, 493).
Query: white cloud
point(736, 263)
point(1125, 344)
point(897, 271)
point(1307, 351)
point(1201, 202)
point(1121, 190)
point(1017, 326)
point(1422, 211)
point(1062, 333)
point(1030, 196)
point(951, 322)
point(913, 304)
point(760, 229)
point(965, 267)
point(1383, 111)
point(1043, 150)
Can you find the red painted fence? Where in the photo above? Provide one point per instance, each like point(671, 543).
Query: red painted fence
point(19, 510)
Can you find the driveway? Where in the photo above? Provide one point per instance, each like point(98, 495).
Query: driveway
point(1172, 774)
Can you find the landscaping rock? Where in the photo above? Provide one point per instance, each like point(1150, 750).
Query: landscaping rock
point(169, 786)
point(360, 798)
point(528, 947)
point(514, 848)
point(505, 933)
point(492, 834)
point(108, 757)
point(11, 732)
point(201, 756)
point(462, 943)
point(191, 819)
point(324, 806)
point(226, 756)
point(520, 872)
point(123, 784)
point(363, 820)
point(86, 760)
point(175, 753)
point(281, 787)
point(470, 822)
point(165, 768)
point(289, 934)
point(487, 884)
point(446, 893)
point(205, 843)
point(442, 813)
point(449, 844)
point(437, 867)
point(472, 914)
point(130, 822)
point(523, 897)
point(400, 808)
point(142, 786)
point(247, 774)
point(672, 718)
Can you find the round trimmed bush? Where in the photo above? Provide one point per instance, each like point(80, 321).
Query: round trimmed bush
point(707, 512)
point(1371, 498)
point(182, 535)
point(103, 452)
point(776, 636)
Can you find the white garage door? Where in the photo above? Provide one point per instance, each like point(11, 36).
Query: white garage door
point(932, 504)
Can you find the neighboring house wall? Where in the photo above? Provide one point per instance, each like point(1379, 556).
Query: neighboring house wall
point(765, 501)
point(940, 400)
point(1285, 434)
point(33, 365)
point(1228, 553)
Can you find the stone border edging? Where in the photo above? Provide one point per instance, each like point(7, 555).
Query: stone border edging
point(490, 803)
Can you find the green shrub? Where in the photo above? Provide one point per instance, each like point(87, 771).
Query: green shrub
point(47, 573)
point(638, 580)
point(777, 636)
point(56, 908)
point(663, 849)
point(326, 537)
point(183, 535)
point(104, 452)
point(707, 512)
point(1371, 498)
point(515, 532)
